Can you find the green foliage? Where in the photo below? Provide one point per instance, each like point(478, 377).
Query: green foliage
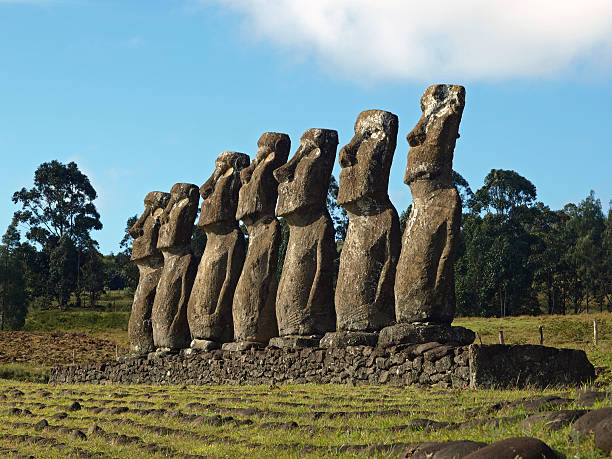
point(93, 275)
point(63, 267)
point(59, 214)
point(503, 191)
point(26, 373)
point(12, 282)
point(126, 241)
point(493, 271)
point(60, 204)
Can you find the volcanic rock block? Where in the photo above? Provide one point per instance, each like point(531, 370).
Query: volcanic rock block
point(511, 448)
point(424, 282)
point(500, 365)
point(304, 301)
point(364, 292)
point(417, 333)
point(150, 262)
point(210, 305)
point(254, 303)
point(603, 435)
point(169, 315)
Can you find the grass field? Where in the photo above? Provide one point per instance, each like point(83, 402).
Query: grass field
point(262, 421)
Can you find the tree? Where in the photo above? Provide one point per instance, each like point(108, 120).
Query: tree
point(12, 281)
point(59, 205)
point(465, 192)
point(586, 228)
point(60, 215)
point(126, 241)
point(63, 269)
point(93, 274)
point(494, 273)
point(503, 191)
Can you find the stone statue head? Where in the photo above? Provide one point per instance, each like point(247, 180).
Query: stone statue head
point(366, 160)
point(220, 192)
point(178, 217)
point(145, 231)
point(432, 140)
point(259, 191)
point(303, 181)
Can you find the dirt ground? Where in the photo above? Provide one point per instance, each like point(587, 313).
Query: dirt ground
point(56, 348)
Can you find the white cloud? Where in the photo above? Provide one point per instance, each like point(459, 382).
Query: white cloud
point(421, 40)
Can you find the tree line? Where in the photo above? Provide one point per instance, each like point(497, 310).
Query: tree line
point(516, 255)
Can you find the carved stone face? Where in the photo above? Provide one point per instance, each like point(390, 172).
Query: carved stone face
point(366, 160)
point(303, 181)
point(178, 216)
point(220, 192)
point(432, 140)
point(259, 191)
point(145, 231)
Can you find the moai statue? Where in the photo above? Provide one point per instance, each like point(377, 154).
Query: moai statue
point(364, 291)
point(304, 301)
point(150, 262)
point(169, 315)
point(210, 304)
point(254, 303)
point(425, 282)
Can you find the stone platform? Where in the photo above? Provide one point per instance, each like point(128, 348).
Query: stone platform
point(476, 366)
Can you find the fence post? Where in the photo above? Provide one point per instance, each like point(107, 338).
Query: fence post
point(595, 332)
point(541, 329)
point(501, 337)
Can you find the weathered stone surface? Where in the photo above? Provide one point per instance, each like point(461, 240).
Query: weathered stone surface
point(295, 341)
point(603, 435)
point(511, 448)
point(424, 282)
point(586, 424)
point(347, 338)
point(364, 296)
point(416, 333)
point(304, 301)
point(210, 304)
point(441, 450)
point(240, 346)
point(588, 397)
point(204, 345)
point(150, 262)
point(553, 420)
point(169, 315)
point(253, 309)
point(526, 364)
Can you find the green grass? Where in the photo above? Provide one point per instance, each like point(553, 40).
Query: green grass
point(325, 435)
point(75, 320)
point(27, 373)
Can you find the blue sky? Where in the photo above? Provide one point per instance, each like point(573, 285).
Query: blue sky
point(142, 95)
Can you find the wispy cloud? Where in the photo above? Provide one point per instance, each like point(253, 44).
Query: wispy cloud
point(403, 39)
point(135, 42)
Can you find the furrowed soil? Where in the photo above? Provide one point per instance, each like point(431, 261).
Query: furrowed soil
point(287, 421)
point(47, 349)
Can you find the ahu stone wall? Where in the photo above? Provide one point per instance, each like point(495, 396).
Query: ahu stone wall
point(426, 364)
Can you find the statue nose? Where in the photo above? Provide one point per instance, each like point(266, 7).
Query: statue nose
point(285, 173)
point(207, 189)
